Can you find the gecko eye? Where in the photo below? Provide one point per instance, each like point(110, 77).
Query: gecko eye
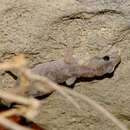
point(106, 58)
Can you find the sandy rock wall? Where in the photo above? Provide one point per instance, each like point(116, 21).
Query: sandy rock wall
point(41, 29)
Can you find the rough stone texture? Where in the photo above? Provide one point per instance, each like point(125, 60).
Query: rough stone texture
point(41, 29)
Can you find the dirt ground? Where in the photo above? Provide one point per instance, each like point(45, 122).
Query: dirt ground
point(41, 29)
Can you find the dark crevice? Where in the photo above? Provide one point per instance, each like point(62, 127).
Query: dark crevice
point(123, 34)
point(81, 15)
point(88, 79)
point(123, 117)
point(11, 74)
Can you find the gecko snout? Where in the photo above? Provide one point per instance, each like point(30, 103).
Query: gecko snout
point(111, 62)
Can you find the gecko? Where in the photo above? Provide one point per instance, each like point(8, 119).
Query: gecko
point(69, 68)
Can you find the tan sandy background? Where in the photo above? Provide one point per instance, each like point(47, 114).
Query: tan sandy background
point(41, 29)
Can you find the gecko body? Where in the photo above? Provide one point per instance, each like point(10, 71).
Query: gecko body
point(61, 71)
point(68, 69)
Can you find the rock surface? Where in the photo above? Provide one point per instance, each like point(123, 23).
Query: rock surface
point(41, 29)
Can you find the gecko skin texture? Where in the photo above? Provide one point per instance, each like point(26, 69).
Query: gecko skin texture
point(61, 71)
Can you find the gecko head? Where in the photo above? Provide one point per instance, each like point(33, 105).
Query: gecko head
point(100, 65)
point(104, 64)
point(108, 63)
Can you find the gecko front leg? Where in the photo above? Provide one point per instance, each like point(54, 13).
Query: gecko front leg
point(69, 59)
